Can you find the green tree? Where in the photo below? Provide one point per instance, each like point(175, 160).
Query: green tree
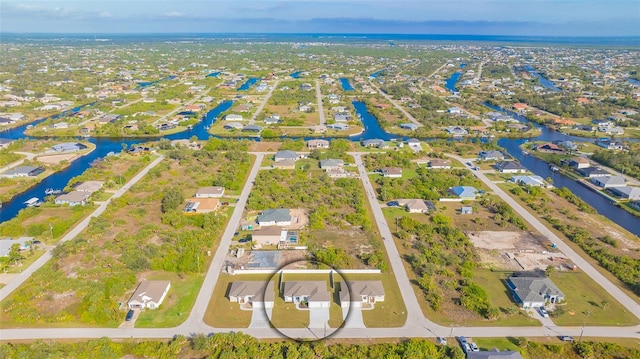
point(171, 199)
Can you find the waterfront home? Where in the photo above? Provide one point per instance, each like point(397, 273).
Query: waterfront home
point(269, 235)
point(361, 293)
point(608, 181)
point(510, 167)
point(209, 192)
point(591, 172)
point(532, 181)
point(377, 143)
point(316, 144)
point(274, 217)
point(610, 145)
point(533, 290)
point(464, 192)
point(201, 205)
point(550, 147)
point(68, 147)
point(252, 128)
point(5, 142)
point(233, 126)
point(272, 120)
point(342, 117)
point(626, 192)
point(456, 131)
point(74, 198)
point(233, 117)
point(313, 294)
point(491, 155)
point(149, 294)
point(338, 126)
point(520, 107)
point(252, 294)
point(23, 243)
point(22, 171)
point(409, 126)
point(579, 162)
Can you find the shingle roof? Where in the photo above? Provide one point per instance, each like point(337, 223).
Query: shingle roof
point(531, 289)
point(314, 290)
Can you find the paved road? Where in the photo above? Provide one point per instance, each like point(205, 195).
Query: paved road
point(29, 156)
point(264, 102)
point(436, 71)
point(202, 301)
point(181, 108)
point(81, 124)
point(319, 100)
point(22, 277)
point(630, 304)
point(394, 103)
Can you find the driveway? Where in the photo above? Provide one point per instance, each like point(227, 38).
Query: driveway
point(353, 318)
point(318, 317)
point(260, 318)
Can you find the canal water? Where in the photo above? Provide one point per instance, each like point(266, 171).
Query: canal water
point(450, 83)
point(247, 84)
point(372, 130)
point(295, 75)
point(543, 80)
point(346, 85)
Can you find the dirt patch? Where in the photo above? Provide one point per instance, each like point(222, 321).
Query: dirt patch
point(264, 146)
point(516, 251)
point(242, 262)
point(56, 159)
point(52, 305)
point(5, 278)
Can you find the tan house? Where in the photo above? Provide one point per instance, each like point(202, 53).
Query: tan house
point(361, 293)
point(89, 186)
point(74, 198)
point(414, 205)
point(252, 294)
point(440, 164)
point(287, 164)
point(269, 235)
point(392, 172)
point(579, 162)
point(314, 293)
point(315, 144)
point(150, 294)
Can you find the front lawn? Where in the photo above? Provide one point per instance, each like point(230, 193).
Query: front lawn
point(176, 306)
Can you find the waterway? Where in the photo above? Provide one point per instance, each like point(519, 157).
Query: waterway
point(634, 82)
point(149, 83)
point(213, 74)
point(372, 130)
point(295, 75)
point(450, 83)
point(543, 80)
point(346, 85)
point(377, 73)
point(247, 84)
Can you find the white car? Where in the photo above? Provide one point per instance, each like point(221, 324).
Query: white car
point(442, 341)
point(474, 347)
point(544, 313)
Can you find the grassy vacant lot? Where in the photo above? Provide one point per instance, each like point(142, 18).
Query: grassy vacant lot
point(221, 313)
point(176, 306)
point(553, 348)
point(589, 303)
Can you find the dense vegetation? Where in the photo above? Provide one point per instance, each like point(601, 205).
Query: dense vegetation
point(243, 346)
point(89, 275)
point(626, 162)
point(496, 71)
point(444, 261)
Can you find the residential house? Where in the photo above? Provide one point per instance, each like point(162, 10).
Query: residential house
point(510, 167)
point(74, 198)
point(531, 290)
point(342, 117)
point(610, 145)
point(567, 145)
point(391, 172)
point(409, 126)
point(233, 117)
point(316, 144)
point(550, 147)
point(466, 210)
point(313, 293)
point(306, 87)
point(456, 131)
point(414, 144)
point(233, 126)
point(287, 164)
point(6, 121)
point(23, 243)
point(68, 147)
point(338, 126)
point(494, 354)
point(252, 128)
point(286, 155)
point(5, 142)
point(149, 294)
point(331, 163)
point(253, 294)
point(533, 181)
point(376, 143)
point(439, 164)
point(579, 162)
point(491, 155)
point(272, 120)
point(201, 205)
point(269, 235)
point(89, 186)
point(454, 110)
point(520, 107)
point(245, 107)
point(361, 293)
point(274, 217)
point(626, 192)
point(22, 171)
point(591, 172)
point(209, 192)
point(608, 181)
point(416, 205)
point(464, 192)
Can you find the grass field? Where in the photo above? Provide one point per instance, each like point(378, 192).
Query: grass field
point(390, 313)
point(176, 306)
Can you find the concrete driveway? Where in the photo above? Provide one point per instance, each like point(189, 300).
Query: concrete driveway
point(318, 317)
point(353, 318)
point(260, 318)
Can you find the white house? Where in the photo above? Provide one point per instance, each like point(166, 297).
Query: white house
point(210, 192)
point(233, 117)
point(533, 291)
point(608, 181)
point(361, 293)
point(150, 294)
point(74, 198)
point(252, 294)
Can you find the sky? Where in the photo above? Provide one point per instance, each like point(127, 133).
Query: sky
point(470, 17)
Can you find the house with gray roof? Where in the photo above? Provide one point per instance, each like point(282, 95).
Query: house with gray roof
point(314, 293)
point(331, 163)
point(22, 171)
point(494, 354)
point(361, 293)
point(608, 181)
point(491, 155)
point(252, 294)
point(456, 131)
point(73, 198)
point(252, 128)
point(68, 147)
point(591, 172)
point(533, 181)
point(149, 294)
point(375, 142)
point(509, 167)
point(23, 244)
point(5, 142)
point(286, 155)
point(409, 126)
point(626, 192)
point(531, 290)
point(274, 217)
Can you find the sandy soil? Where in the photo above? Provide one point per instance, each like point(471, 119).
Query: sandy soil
point(55, 159)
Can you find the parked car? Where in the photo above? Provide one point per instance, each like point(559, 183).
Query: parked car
point(466, 348)
point(566, 338)
point(544, 313)
point(393, 204)
point(462, 340)
point(129, 315)
point(474, 347)
point(442, 341)
point(37, 242)
point(244, 240)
